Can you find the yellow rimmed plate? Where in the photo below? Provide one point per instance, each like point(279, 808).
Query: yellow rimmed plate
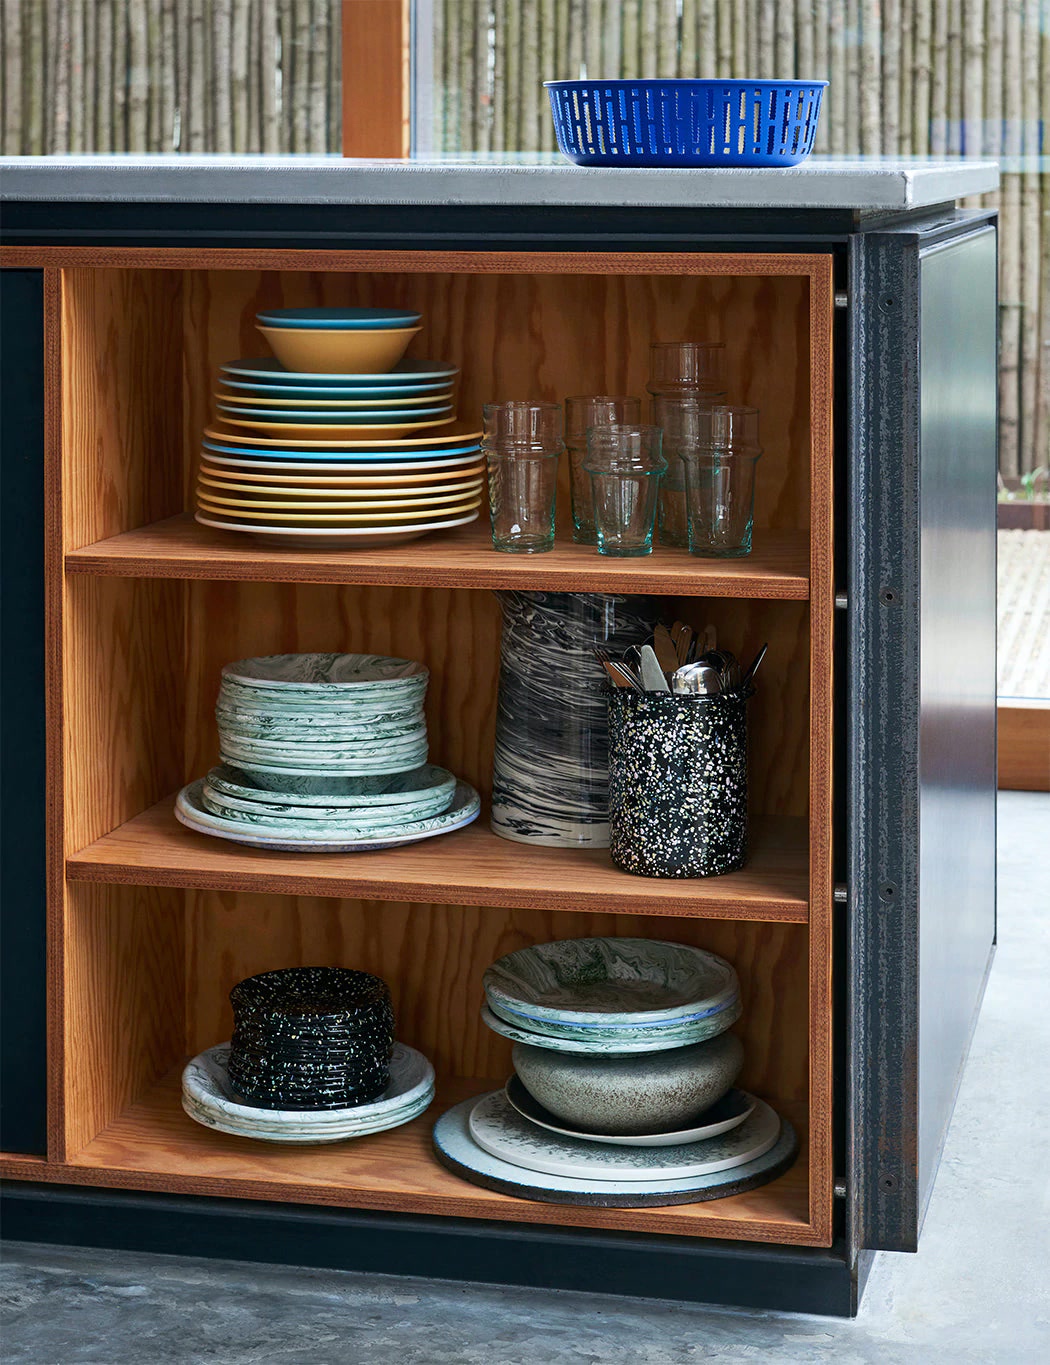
point(334, 505)
point(298, 430)
point(346, 538)
point(226, 488)
point(350, 404)
point(378, 518)
point(447, 438)
point(431, 478)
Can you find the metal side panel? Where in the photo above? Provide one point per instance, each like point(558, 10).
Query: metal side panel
point(921, 781)
point(23, 1091)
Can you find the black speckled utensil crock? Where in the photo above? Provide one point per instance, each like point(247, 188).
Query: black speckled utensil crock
point(311, 1038)
point(677, 783)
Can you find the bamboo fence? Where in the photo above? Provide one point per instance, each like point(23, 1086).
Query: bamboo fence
point(908, 77)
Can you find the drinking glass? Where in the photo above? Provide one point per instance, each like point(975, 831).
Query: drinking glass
point(690, 368)
point(522, 443)
point(625, 464)
point(720, 481)
point(677, 417)
point(582, 413)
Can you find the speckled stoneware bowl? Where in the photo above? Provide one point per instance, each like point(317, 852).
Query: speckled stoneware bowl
point(637, 1094)
point(609, 983)
point(310, 1038)
point(677, 783)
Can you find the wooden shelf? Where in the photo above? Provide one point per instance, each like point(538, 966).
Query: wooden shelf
point(153, 1145)
point(777, 568)
point(472, 866)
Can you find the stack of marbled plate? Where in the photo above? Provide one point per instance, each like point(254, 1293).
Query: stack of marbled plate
point(611, 995)
point(325, 752)
point(208, 1097)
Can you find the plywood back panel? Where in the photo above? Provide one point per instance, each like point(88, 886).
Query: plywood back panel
point(433, 957)
point(121, 400)
point(548, 336)
point(124, 970)
point(123, 700)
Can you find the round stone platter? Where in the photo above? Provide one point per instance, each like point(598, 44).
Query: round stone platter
point(331, 793)
point(458, 1152)
point(207, 1098)
point(496, 1126)
point(729, 1113)
point(610, 982)
point(658, 1040)
point(190, 810)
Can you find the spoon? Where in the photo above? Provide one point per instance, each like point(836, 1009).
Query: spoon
point(696, 679)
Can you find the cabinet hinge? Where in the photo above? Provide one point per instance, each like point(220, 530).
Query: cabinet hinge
point(839, 1188)
point(841, 298)
point(841, 601)
point(840, 894)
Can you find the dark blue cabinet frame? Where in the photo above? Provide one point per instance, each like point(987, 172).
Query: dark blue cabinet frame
point(915, 736)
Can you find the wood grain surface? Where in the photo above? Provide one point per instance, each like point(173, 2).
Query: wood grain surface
point(1024, 744)
point(123, 1010)
point(471, 866)
point(376, 42)
point(153, 1145)
point(778, 566)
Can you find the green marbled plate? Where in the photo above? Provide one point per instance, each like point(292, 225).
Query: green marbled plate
point(279, 731)
point(220, 803)
point(674, 1034)
point(349, 768)
point(386, 820)
point(190, 811)
point(272, 751)
point(318, 676)
point(608, 982)
point(635, 1040)
point(350, 708)
point(428, 782)
point(315, 724)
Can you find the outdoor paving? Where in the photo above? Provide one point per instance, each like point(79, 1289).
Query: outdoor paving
point(1024, 613)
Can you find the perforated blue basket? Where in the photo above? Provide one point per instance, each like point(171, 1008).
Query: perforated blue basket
point(686, 123)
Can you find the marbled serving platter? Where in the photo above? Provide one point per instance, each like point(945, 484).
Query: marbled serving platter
point(626, 1041)
point(388, 789)
point(458, 1152)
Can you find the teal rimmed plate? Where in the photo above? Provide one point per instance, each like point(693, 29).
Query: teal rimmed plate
point(405, 372)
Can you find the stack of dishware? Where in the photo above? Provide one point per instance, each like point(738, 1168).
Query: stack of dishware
point(313, 1059)
point(325, 752)
point(339, 442)
point(623, 1093)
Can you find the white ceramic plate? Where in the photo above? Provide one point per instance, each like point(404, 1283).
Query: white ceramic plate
point(729, 1113)
point(208, 1097)
point(300, 537)
point(501, 1131)
point(189, 809)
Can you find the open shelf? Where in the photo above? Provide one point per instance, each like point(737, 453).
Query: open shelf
point(153, 1145)
point(777, 568)
point(472, 866)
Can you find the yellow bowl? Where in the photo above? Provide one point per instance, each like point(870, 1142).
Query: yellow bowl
point(321, 350)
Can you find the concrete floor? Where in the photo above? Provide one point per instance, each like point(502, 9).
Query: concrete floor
point(978, 1293)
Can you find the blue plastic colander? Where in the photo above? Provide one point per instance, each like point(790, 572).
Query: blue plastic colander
point(686, 123)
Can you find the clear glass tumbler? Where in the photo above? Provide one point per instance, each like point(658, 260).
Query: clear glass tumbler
point(720, 481)
point(581, 413)
point(692, 368)
point(625, 464)
point(522, 443)
point(677, 417)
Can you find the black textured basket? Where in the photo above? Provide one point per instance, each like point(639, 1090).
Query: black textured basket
point(677, 783)
point(311, 1038)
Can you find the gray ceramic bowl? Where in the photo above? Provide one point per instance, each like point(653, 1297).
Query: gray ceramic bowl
point(637, 1094)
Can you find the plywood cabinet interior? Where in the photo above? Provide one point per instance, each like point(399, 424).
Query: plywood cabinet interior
point(150, 925)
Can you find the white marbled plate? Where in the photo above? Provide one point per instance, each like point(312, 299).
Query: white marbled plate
point(317, 676)
point(219, 802)
point(389, 789)
point(208, 1098)
point(496, 1126)
point(655, 1040)
point(729, 1113)
point(610, 981)
point(189, 809)
point(459, 1153)
point(378, 767)
point(367, 823)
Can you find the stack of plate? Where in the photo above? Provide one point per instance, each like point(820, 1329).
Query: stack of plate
point(608, 1125)
point(208, 1097)
point(345, 460)
point(611, 995)
point(325, 752)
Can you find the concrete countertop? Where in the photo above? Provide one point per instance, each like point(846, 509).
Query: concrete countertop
point(541, 179)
